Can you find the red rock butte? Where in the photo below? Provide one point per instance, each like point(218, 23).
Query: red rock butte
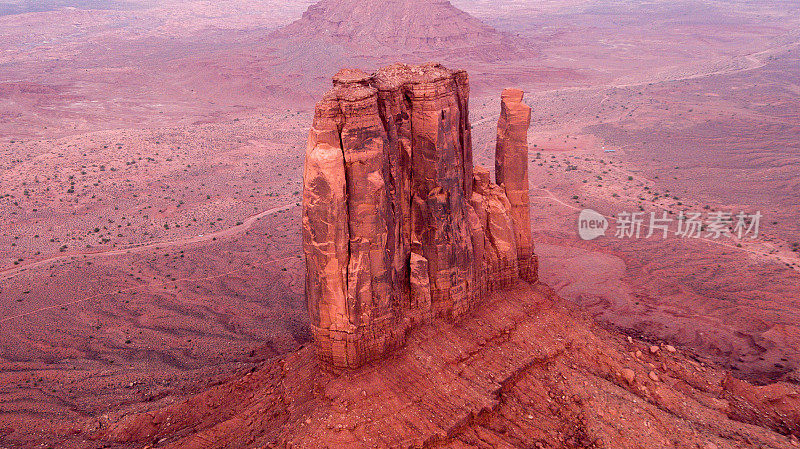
point(398, 226)
point(407, 25)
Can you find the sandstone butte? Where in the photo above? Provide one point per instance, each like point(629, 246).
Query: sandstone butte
point(398, 226)
point(403, 239)
point(393, 26)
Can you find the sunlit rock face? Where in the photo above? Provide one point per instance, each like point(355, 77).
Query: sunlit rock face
point(397, 224)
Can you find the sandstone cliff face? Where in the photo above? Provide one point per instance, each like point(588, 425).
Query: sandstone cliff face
point(397, 225)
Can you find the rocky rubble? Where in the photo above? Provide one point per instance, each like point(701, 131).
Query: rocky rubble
point(398, 226)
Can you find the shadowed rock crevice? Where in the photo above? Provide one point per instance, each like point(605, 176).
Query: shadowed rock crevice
point(398, 225)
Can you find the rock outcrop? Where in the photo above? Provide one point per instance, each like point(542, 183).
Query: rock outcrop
point(397, 225)
point(388, 27)
point(525, 370)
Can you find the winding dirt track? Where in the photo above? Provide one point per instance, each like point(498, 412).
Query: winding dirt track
point(761, 254)
point(246, 224)
point(748, 62)
point(138, 287)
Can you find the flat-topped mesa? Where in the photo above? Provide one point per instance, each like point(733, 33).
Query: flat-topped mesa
point(397, 226)
point(511, 172)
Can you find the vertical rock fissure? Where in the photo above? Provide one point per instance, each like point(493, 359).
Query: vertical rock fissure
point(347, 211)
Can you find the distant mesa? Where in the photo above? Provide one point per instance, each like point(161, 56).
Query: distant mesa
point(404, 26)
point(398, 227)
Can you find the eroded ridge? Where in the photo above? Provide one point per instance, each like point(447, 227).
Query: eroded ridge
point(397, 224)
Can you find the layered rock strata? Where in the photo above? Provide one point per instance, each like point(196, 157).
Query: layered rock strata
point(397, 224)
